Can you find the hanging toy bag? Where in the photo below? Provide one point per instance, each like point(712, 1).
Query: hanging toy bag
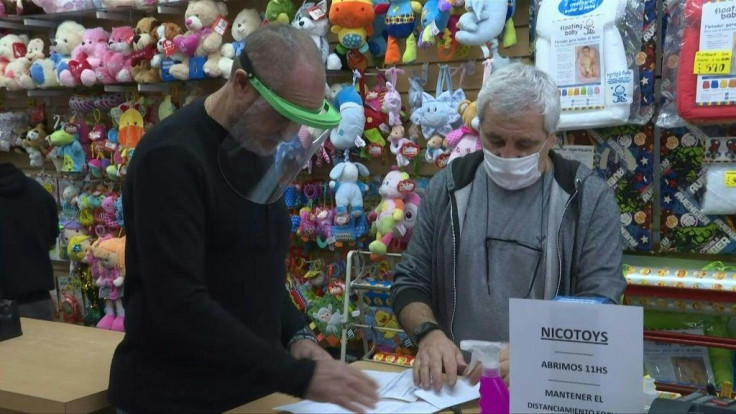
point(589, 48)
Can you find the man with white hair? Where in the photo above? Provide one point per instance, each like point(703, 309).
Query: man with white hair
point(513, 221)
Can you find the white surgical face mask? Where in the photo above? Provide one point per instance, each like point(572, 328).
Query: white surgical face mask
point(512, 173)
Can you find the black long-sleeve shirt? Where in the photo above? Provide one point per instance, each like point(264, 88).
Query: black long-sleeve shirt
point(29, 226)
point(207, 313)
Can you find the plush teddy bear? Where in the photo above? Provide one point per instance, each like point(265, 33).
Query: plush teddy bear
point(466, 139)
point(245, 22)
point(390, 211)
point(18, 72)
point(117, 60)
point(348, 191)
point(281, 11)
point(200, 40)
point(45, 72)
point(36, 145)
point(435, 148)
point(86, 59)
point(144, 48)
point(12, 48)
point(312, 18)
point(163, 37)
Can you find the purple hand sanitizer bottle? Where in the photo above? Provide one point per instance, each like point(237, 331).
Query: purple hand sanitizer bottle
point(494, 395)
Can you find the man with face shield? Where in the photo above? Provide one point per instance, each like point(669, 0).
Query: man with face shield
point(515, 220)
point(209, 324)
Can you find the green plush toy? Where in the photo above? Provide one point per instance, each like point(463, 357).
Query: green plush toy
point(281, 11)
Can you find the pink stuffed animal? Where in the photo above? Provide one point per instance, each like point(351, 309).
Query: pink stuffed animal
point(463, 141)
point(392, 105)
point(118, 58)
point(404, 149)
point(86, 59)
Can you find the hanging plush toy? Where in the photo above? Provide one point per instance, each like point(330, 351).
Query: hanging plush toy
point(109, 255)
point(349, 133)
point(435, 17)
point(466, 139)
point(400, 24)
point(404, 149)
point(352, 22)
point(389, 213)
point(484, 21)
point(348, 191)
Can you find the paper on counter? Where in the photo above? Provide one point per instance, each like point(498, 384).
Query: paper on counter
point(382, 407)
point(400, 387)
point(447, 396)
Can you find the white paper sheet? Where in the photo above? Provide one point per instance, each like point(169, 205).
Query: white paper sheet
point(383, 407)
point(397, 395)
point(447, 397)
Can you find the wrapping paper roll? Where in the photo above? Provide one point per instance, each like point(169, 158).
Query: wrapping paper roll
point(681, 278)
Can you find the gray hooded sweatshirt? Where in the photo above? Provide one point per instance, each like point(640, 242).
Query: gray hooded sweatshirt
point(584, 244)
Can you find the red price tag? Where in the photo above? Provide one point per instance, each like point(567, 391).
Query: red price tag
point(19, 50)
point(410, 150)
point(375, 150)
point(220, 25)
point(71, 128)
point(169, 47)
point(406, 186)
point(315, 13)
point(442, 160)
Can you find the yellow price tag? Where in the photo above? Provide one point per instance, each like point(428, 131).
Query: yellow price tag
point(712, 62)
point(730, 178)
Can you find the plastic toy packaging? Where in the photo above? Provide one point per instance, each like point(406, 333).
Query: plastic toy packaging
point(699, 73)
point(719, 175)
point(588, 47)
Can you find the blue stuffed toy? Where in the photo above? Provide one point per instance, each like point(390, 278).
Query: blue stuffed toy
point(350, 131)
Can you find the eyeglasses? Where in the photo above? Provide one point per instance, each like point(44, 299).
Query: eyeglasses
point(523, 254)
point(327, 117)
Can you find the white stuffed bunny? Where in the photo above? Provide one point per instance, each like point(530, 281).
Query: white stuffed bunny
point(348, 191)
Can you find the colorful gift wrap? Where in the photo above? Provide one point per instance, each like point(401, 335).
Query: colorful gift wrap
point(681, 278)
point(684, 227)
point(646, 59)
point(624, 157)
point(397, 359)
point(386, 341)
point(377, 297)
point(682, 305)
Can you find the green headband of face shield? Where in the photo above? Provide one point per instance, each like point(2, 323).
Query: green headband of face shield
point(324, 118)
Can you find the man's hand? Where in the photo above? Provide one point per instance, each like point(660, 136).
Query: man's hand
point(435, 352)
point(334, 382)
point(308, 349)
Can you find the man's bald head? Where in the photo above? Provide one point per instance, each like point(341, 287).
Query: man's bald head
point(284, 57)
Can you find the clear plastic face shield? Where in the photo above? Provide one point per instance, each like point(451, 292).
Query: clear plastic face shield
point(271, 142)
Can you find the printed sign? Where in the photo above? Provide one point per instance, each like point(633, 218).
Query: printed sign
point(714, 61)
point(578, 7)
point(575, 357)
point(620, 87)
point(581, 153)
point(577, 62)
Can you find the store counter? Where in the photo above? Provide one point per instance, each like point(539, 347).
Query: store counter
point(56, 367)
point(266, 404)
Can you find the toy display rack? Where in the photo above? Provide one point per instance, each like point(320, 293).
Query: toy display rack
point(355, 281)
